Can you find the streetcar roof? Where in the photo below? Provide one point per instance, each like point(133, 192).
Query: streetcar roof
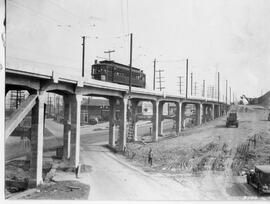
point(116, 63)
point(263, 168)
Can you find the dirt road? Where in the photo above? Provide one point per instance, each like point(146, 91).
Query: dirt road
point(112, 178)
point(203, 157)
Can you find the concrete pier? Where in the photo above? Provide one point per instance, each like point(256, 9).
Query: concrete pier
point(155, 120)
point(112, 121)
point(67, 128)
point(123, 123)
point(75, 101)
point(37, 132)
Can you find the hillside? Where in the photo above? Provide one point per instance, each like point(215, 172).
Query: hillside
point(264, 100)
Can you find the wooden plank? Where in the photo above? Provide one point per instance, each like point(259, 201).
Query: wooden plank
point(19, 114)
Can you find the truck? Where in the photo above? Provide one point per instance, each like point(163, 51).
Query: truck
point(232, 120)
point(259, 178)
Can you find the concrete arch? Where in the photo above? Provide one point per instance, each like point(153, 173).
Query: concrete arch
point(21, 82)
point(191, 102)
point(99, 92)
point(169, 100)
point(59, 88)
point(142, 97)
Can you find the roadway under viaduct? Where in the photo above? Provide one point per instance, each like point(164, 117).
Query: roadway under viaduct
point(73, 89)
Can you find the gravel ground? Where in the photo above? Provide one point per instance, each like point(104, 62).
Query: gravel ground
point(211, 154)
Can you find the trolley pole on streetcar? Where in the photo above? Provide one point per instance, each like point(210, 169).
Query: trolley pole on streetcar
point(109, 52)
point(83, 51)
point(130, 62)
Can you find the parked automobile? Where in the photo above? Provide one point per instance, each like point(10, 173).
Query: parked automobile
point(232, 120)
point(259, 178)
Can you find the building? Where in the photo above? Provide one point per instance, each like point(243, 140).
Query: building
point(94, 110)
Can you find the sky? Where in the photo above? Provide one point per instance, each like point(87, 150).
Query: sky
point(226, 36)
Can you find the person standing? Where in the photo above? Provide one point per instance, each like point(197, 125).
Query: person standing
point(150, 157)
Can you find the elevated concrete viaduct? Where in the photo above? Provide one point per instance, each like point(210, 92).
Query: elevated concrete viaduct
point(73, 89)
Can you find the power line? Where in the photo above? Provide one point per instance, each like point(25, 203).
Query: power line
point(127, 17)
point(72, 14)
point(122, 17)
point(172, 60)
point(45, 16)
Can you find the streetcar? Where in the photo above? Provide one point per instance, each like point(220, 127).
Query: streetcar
point(114, 72)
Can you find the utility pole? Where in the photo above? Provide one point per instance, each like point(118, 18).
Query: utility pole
point(54, 105)
point(186, 78)
point(130, 62)
point(212, 91)
point(218, 87)
point(191, 82)
point(230, 96)
point(83, 53)
point(154, 78)
point(180, 84)
point(160, 79)
point(203, 92)
point(109, 52)
point(226, 91)
point(233, 97)
point(17, 99)
point(195, 88)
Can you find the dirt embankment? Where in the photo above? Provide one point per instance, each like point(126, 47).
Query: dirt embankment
point(254, 151)
point(210, 147)
point(17, 180)
point(264, 100)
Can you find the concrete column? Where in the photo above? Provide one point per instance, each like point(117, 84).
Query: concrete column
point(75, 101)
point(160, 118)
point(112, 122)
point(178, 117)
point(155, 120)
point(203, 113)
point(67, 128)
point(134, 112)
point(183, 107)
point(219, 111)
point(136, 131)
point(199, 111)
point(212, 112)
point(37, 131)
point(123, 123)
